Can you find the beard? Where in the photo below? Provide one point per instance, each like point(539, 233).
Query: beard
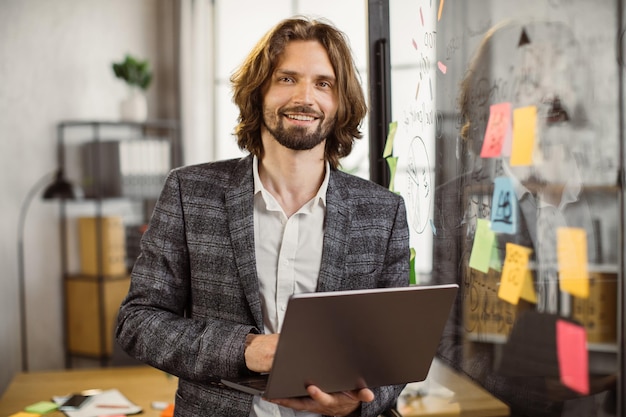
point(297, 138)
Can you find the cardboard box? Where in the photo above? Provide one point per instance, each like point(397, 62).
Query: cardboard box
point(598, 313)
point(485, 315)
point(87, 313)
point(104, 236)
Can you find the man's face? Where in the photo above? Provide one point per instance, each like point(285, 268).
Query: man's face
point(300, 100)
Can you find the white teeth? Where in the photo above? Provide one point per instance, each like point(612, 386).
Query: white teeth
point(301, 117)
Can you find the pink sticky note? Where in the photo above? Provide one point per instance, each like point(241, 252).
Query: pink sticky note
point(571, 346)
point(442, 67)
point(498, 128)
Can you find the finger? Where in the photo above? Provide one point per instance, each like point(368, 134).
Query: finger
point(365, 395)
point(318, 395)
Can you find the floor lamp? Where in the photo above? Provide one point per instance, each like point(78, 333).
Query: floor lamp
point(61, 189)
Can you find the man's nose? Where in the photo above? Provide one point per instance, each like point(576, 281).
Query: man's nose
point(304, 93)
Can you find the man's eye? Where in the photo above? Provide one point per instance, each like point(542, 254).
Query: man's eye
point(324, 84)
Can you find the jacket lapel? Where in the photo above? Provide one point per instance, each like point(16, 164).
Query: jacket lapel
point(335, 235)
point(239, 203)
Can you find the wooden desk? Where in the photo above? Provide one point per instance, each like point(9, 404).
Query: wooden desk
point(141, 385)
point(450, 394)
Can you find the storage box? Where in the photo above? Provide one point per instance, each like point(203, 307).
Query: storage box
point(598, 313)
point(102, 240)
point(485, 315)
point(91, 304)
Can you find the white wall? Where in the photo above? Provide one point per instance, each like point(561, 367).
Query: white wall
point(55, 64)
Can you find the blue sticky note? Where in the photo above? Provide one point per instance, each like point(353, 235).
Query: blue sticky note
point(504, 211)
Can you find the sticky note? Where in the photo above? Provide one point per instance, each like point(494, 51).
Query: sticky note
point(498, 126)
point(504, 207)
point(514, 273)
point(42, 407)
point(528, 288)
point(524, 125)
point(442, 67)
point(412, 274)
point(572, 261)
point(25, 414)
point(169, 411)
point(571, 346)
point(391, 135)
point(484, 237)
point(392, 162)
point(495, 262)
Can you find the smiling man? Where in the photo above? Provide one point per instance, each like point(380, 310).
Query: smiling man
point(230, 241)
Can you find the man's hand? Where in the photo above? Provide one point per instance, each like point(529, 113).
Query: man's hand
point(336, 404)
point(260, 350)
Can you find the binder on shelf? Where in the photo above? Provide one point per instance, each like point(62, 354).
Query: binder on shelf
point(125, 168)
point(109, 241)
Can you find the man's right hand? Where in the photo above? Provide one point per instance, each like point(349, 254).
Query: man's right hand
point(260, 350)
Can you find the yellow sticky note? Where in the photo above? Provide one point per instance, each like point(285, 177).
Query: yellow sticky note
point(514, 273)
point(25, 414)
point(528, 288)
point(524, 125)
point(480, 257)
point(572, 260)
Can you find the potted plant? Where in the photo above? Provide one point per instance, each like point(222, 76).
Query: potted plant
point(138, 76)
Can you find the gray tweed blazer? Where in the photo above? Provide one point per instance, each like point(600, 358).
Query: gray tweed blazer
point(194, 293)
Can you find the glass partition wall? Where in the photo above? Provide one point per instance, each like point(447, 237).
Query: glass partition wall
point(507, 146)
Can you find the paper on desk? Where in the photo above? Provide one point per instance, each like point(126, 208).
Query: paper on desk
point(97, 405)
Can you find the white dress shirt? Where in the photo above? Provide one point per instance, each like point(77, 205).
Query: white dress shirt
point(288, 257)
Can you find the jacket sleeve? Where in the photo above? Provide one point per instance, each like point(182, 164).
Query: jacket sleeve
point(154, 322)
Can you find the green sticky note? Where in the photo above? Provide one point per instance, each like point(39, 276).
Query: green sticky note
point(42, 407)
point(393, 126)
point(393, 163)
point(412, 275)
point(495, 262)
point(480, 257)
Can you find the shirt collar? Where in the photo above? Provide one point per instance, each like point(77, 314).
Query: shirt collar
point(259, 188)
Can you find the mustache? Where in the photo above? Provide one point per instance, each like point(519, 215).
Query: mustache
point(302, 110)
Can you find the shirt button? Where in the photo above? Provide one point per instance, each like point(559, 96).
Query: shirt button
point(283, 307)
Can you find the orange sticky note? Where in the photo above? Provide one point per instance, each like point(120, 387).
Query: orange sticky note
point(498, 127)
point(572, 260)
point(169, 411)
point(514, 273)
point(571, 347)
point(524, 125)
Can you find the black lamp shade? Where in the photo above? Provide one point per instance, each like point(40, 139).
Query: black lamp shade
point(61, 188)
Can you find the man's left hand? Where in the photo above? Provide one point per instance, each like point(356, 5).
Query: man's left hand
point(335, 404)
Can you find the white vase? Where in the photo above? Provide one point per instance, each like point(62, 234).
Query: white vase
point(134, 108)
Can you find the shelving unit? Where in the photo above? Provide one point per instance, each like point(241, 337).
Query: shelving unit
point(121, 167)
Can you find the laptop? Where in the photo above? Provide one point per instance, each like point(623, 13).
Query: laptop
point(353, 339)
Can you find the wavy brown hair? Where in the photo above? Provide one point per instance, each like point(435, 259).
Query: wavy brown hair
point(249, 80)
